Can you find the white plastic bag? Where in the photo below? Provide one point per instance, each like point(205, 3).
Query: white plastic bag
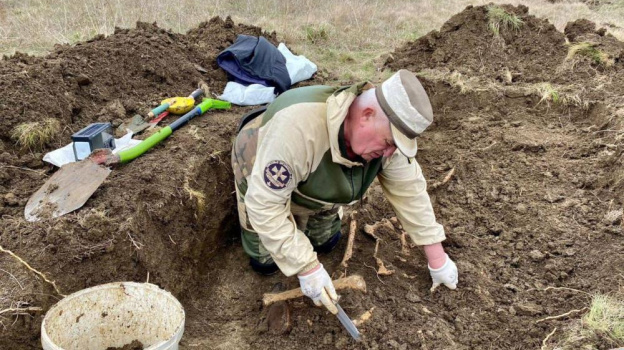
point(254, 94)
point(299, 67)
point(65, 154)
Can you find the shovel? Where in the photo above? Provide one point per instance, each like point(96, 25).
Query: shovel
point(175, 105)
point(70, 187)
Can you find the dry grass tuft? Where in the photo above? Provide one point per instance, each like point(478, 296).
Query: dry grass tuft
point(317, 33)
point(604, 322)
point(499, 18)
point(606, 316)
point(547, 93)
point(561, 95)
point(457, 80)
point(585, 49)
point(34, 136)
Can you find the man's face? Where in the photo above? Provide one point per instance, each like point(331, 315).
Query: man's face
point(372, 137)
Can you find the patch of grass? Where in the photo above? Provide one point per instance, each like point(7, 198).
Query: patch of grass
point(586, 49)
point(316, 33)
point(603, 323)
point(547, 93)
point(499, 18)
point(34, 136)
point(562, 95)
point(606, 315)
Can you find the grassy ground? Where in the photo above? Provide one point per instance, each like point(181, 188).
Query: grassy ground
point(345, 37)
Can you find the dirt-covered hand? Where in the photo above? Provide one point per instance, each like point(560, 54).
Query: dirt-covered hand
point(447, 275)
point(318, 286)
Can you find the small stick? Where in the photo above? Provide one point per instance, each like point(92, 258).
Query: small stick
point(560, 316)
point(364, 317)
point(488, 147)
point(546, 339)
point(352, 282)
point(446, 179)
point(559, 288)
point(15, 278)
point(33, 270)
point(40, 172)
point(136, 244)
point(349, 250)
point(19, 310)
point(376, 274)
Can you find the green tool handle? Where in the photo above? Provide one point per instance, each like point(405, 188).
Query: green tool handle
point(200, 109)
point(129, 154)
point(156, 111)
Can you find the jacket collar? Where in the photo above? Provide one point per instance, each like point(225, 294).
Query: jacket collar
point(337, 110)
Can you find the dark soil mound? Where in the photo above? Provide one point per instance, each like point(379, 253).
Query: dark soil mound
point(579, 27)
point(534, 53)
point(131, 69)
point(466, 44)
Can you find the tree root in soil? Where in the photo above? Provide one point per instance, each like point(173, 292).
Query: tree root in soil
point(547, 337)
point(560, 316)
point(446, 179)
point(354, 282)
point(21, 310)
point(40, 274)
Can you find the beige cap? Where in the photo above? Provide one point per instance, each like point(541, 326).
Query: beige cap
point(407, 106)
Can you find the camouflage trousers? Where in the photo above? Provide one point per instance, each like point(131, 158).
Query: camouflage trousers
point(318, 225)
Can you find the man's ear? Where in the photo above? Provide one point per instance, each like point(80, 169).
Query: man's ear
point(368, 114)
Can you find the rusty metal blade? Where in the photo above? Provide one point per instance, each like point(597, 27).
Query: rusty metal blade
point(67, 190)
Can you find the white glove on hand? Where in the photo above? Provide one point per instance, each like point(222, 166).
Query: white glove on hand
point(318, 286)
point(447, 275)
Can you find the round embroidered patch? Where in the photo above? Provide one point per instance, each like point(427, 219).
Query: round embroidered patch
point(277, 175)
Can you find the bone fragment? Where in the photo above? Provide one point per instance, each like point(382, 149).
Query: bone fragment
point(355, 282)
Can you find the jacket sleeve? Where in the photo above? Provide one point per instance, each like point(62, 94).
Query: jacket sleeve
point(282, 161)
point(405, 188)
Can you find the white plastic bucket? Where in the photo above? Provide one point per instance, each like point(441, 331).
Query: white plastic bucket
point(114, 315)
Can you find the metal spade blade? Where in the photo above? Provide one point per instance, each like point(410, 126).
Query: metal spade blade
point(67, 190)
point(347, 323)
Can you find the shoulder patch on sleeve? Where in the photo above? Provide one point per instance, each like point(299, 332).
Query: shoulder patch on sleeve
point(277, 175)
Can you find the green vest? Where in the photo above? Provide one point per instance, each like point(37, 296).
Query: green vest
point(329, 182)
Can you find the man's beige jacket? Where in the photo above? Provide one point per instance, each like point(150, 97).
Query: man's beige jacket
point(298, 161)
